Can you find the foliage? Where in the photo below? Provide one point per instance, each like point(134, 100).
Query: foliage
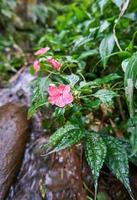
point(93, 41)
point(91, 44)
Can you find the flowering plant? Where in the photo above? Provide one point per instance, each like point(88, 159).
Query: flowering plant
point(62, 86)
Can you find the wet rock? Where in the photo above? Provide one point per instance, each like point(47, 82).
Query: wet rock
point(13, 136)
point(56, 177)
point(64, 179)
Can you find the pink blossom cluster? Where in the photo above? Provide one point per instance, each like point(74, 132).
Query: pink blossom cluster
point(60, 96)
point(54, 63)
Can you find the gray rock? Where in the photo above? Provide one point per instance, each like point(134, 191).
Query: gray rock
point(13, 136)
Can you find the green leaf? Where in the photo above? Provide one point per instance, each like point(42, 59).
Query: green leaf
point(39, 94)
point(91, 104)
point(118, 3)
point(105, 24)
point(130, 80)
point(72, 79)
point(106, 79)
point(70, 138)
point(124, 64)
point(131, 70)
point(58, 135)
point(81, 41)
point(105, 95)
point(106, 48)
point(102, 4)
point(87, 54)
point(117, 161)
point(132, 129)
point(95, 151)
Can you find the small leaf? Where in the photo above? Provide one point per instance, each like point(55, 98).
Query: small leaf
point(106, 79)
point(99, 81)
point(81, 41)
point(105, 24)
point(105, 95)
point(117, 161)
point(87, 54)
point(106, 48)
point(72, 79)
point(69, 139)
point(39, 94)
point(95, 151)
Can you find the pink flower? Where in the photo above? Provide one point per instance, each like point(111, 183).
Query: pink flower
point(36, 66)
point(42, 51)
point(60, 96)
point(55, 64)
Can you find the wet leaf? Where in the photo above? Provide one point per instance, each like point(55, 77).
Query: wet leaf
point(72, 79)
point(117, 161)
point(132, 129)
point(87, 54)
point(60, 133)
point(70, 138)
point(106, 79)
point(130, 80)
point(118, 3)
point(39, 94)
point(95, 151)
point(106, 48)
point(105, 95)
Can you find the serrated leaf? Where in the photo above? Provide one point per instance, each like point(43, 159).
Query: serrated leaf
point(58, 135)
point(95, 151)
point(70, 138)
point(106, 48)
point(105, 95)
point(39, 94)
point(130, 80)
point(117, 161)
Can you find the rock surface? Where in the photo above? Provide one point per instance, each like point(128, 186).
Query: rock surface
point(13, 136)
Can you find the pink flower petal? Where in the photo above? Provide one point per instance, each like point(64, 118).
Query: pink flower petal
point(60, 96)
point(42, 51)
point(36, 66)
point(68, 99)
point(52, 100)
point(60, 102)
point(67, 89)
point(53, 90)
point(49, 59)
point(54, 63)
point(61, 88)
